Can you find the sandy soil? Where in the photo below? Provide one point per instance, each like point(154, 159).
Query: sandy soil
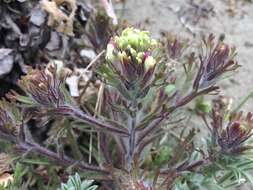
point(234, 18)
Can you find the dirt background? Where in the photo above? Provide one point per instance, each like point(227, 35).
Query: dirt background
point(191, 19)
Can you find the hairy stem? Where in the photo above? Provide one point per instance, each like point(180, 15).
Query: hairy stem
point(193, 94)
point(78, 114)
point(132, 131)
point(189, 167)
point(62, 160)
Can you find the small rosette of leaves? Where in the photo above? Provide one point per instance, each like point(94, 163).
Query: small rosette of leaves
point(215, 60)
point(232, 138)
point(43, 88)
point(75, 183)
point(131, 61)
point(231, 153)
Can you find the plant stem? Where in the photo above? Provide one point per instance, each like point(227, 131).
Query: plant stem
point(189, 167)
point(132, 131)
point(149, 129)
point(62, 160)
point(193, 94)
point(78, 114)
point(90, 146)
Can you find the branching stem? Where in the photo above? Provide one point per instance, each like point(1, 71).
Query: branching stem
point(62, 160)
point(80, 115)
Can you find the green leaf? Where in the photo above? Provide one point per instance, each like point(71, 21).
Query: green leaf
point(247, 176)
point(39, 162)
point(202, 105)
point(169, 89)
point(25, 99)
point(67, 96)
point(75, 183)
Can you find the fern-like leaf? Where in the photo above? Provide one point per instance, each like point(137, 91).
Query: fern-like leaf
point(75, 183)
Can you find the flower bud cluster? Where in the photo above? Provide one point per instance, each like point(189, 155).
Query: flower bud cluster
point(215, 61)
point(131, 62)
point(232, 137)
point(42, 87)
point(132, 46)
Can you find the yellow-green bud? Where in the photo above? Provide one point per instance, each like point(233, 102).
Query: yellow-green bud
point(122, 55)
point(149, 62)
point(133, 40)
point(138, 40)
point(122, 43)
point(139, 57)
point(139, 60)
point(133, 52)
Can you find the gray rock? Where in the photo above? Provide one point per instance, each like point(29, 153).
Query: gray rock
point(6, 61)
point(54, 43)
point(88, 54)
point(38, 16)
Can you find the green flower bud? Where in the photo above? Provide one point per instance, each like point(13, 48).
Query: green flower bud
point(139, 57)
point(139, 60)
point(142, 46)
point(134, 40)
point(145, 33)
point(122, 55)
point(138, 40)
point(128, 31)
point(122, 43)
point(149, 62)
point(133, 52)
